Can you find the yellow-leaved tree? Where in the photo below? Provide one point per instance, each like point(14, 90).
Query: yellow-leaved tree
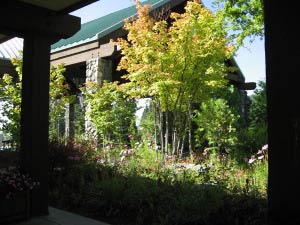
point(179, 63)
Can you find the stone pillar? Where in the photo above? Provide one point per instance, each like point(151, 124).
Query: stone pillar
point(97, 70)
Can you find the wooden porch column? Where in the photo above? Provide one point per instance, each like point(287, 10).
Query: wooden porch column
point(34, 117)
point(283, 91)
point(40, 27)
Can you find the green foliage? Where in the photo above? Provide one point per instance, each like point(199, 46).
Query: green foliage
point(217, 124)
point(10, 96)
point(256, 133)
point(59, 98)
point(147, 123)
point(110, 111)
point(245, 18)
point(258, 174)
point(142, 163)
point(79, 121)
point(258, 111)
point(237, 101)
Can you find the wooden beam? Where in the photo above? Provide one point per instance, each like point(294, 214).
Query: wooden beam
point(76, 50)
point(247, 86)
point(20, 17)
point(77, 5)
point(105, 50)
point(235, 77)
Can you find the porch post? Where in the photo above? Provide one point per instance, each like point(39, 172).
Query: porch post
point(282, 76)
point(34, 117)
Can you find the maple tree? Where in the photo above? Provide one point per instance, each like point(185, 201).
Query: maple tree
point(177, 64)
point(244, 18)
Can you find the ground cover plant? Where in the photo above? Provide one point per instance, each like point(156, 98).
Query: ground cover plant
point(140, 190)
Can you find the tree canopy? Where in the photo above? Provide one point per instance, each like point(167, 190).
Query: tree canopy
point(245, 18)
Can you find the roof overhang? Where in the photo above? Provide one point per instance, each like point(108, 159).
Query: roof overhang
point(65, 6)
point(48, 17)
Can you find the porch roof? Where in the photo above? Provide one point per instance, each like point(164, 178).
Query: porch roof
point(20, 9)
point(11, 48)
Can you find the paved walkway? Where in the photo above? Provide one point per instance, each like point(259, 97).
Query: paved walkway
point(60, 217)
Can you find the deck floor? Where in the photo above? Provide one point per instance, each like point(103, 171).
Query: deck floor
point(60, 217)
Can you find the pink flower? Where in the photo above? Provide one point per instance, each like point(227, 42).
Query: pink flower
point(76, 158)
point(239, 174)
point(259, 152)
point(260, 157)
point(252, 160)
point(130, 136)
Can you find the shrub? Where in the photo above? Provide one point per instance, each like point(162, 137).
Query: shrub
point(217, 124)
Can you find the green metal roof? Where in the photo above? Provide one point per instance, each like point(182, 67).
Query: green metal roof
point(98, 28)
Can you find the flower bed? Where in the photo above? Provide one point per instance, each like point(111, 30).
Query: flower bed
point(15, 188)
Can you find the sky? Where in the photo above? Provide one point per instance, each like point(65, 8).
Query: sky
point(250, 59)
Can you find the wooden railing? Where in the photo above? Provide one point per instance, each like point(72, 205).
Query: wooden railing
point(7, 145)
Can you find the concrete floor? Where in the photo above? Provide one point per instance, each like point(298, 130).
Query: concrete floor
point(60, 217)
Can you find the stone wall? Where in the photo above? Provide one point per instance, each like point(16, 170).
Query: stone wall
point(97, 70)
